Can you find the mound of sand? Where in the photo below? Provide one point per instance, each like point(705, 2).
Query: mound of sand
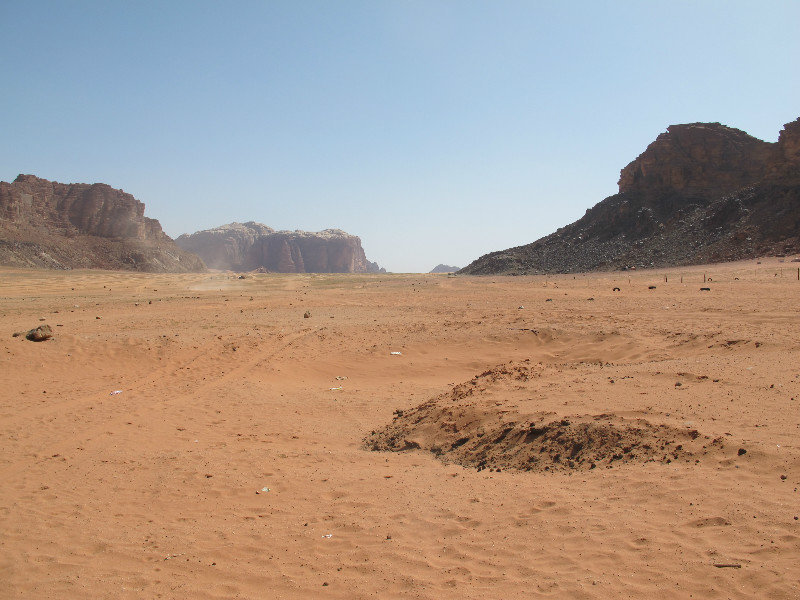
point(470, 427)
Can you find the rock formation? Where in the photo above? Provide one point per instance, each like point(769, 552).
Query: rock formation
point(701, 192)
point(64, 226)
point(442, 268)
point(249, 246)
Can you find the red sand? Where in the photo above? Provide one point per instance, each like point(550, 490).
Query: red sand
point(225, 389)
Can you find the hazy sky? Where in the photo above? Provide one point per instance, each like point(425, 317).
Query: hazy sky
point(435, 130)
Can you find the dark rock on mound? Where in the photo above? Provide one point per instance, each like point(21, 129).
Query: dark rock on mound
point(700, 193)
point(250, 246)
point(65, 226)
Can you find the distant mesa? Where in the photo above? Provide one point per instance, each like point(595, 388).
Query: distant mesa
point(444, 269)
point(700, 193)
point(254, 246)
point(54, 225)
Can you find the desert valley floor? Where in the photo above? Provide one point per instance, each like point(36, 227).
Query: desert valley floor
point(194, 436)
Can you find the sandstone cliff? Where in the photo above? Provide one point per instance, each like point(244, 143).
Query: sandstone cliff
point(249, 246)
point(701, 192)
point(55, 225)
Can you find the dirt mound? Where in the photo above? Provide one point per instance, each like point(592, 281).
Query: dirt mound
point(466, 428)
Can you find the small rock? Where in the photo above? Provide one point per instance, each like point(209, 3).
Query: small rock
point(307, 314)
point(742, 451)
point(40, 333)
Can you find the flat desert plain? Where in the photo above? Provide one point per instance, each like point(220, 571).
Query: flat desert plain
point(196, 436)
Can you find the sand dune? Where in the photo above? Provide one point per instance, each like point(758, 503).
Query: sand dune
point(194, 436)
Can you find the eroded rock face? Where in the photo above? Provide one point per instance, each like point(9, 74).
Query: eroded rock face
point(49, 224)
point(249, 246)
point(698, 159)
point(701, 192)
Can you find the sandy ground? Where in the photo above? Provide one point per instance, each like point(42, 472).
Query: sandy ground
point(225, 389)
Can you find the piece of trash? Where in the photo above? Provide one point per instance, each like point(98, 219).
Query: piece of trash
point(115, 392)
point(263, 490)
point(520, 307)
point(328, 535)
point(728, 565)
point(396, 353)
point(335, 388)
point(340, 378)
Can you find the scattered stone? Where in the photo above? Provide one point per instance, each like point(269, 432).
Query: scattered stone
point(742, 452)
point(307, 314)
point(40, 333)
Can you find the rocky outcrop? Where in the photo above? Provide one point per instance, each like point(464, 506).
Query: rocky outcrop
point(697, 160)
point(442, 268)
point(701, 192)
point(249, 246)
point(55, 225)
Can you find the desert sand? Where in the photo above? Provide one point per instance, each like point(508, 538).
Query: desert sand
point(194, 436)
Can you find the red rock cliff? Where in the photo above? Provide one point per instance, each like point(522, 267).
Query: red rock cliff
point(51, 224)
point(697, 159)
point(248, 246)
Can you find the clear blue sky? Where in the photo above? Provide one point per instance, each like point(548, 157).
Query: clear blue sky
point(435, 130)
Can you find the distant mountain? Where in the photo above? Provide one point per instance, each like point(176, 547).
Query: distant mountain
point(92, 226)
point(444, 269)
point(249, 246)
point(701, 192)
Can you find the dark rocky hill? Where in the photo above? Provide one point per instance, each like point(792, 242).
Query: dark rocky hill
point(65, 226)
point(701, 192)
point(249, 246)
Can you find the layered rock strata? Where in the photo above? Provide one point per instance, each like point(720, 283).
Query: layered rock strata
point(64, 226)
point(249, 246)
